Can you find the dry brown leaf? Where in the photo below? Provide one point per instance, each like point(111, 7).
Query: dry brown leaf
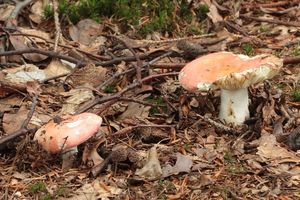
point(13, 121)
point(20, 43)
point(76, 97)
point(213, 12)
point(90, 153)
point(96, 190)
point(24, 73)
point(56, 68)
point(136, 110)
point(37, 10)
point(38, 33)
point(270, 150)
point(183, 164)
point(152, 168)
point(6, 10)
point(88, 75)
point(86, 31)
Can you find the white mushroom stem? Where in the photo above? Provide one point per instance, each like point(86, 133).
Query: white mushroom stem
point(68, 157)
point(234, 106)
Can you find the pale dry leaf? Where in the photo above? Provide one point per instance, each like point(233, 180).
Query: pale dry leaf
point(56, 68)
point(90, 153)
point(183, 164)
point(170, 86)
point(152, 168)
point(37, 10)
point(38, 33)
point(96, 190)
point(20, 43)
point(6, 10)
point(88, 75)
point(136, 110)
point(76, 97)
point(86, 31)
point(24, 73)
point(270, 150)
point(13, 121)
point(213, 12)
point(7, 103)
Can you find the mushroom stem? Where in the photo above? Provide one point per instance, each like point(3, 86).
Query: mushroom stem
point(234, 106)
point(68, 157)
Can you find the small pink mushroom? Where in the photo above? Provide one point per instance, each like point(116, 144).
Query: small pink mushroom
point(66, 135)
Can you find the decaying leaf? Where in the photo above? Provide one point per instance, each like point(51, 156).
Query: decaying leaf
point(136, 110)
point(96, 190)
point(13, 121)
point(56, 68)
point(90, 153)
point(37, 10)
point(88, 75)
point(20, 43)
point(86, 31)
point(270, 149)
point(213, 12)
point(152, 168)
point(6, 10)
point(24, 73)
point(76, 97)
point(183, 164)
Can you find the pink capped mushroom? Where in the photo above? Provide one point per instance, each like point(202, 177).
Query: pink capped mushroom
point(64, 136)
point(233, 74)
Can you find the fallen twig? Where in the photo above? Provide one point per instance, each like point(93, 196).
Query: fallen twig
point(19, 7)
point(121, 93)
point(57, 25)
point(138, 66)
point(116, 75)
point(272, 21)
point(216, 124)
point(71, 59)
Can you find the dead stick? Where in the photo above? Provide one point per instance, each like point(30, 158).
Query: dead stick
point(71, 59)
point(272, 21)
point(138, 66)
point(121, 93)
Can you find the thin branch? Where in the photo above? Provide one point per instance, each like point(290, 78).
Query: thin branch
point(121, 93)
point(138, 66)
point(19, 7)
point(57, 25)
point(271, 21)
point(216, 124)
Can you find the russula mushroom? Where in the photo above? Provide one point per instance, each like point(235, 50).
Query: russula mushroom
point(66, 135)
point(233, 74)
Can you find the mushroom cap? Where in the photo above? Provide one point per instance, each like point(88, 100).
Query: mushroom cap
point(68, 133)
point(228, 71)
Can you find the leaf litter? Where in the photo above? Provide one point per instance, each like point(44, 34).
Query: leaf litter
point(153, 143)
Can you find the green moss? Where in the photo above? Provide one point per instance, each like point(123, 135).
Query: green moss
point(48, 12)
point(248, 49)
point(37, 187)
point(61, 191)
point(203, 9)
point(187, 147)
point(264, 29)
point(232, 165)
point(46, 197)
point(295, 51)
point(296, 95)
point(110, 89)
point(143, 15)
